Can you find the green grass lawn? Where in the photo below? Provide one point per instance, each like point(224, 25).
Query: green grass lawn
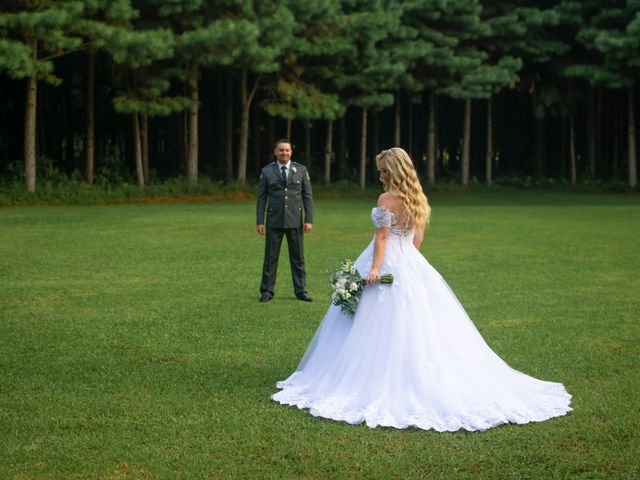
point(132, 344)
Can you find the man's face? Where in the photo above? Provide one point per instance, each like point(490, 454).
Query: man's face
point(283, 152)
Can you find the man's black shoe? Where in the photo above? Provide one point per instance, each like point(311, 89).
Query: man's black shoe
point(266, 297)
point(305, 298)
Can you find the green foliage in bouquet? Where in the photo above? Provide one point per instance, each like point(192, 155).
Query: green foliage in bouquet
point(348, 286)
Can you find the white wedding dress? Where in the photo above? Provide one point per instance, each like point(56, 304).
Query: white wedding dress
point(411, 357)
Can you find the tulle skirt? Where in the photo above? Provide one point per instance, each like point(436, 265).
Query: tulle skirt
point(411, 357)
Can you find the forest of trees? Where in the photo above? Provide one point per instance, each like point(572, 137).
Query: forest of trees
point(475, 90)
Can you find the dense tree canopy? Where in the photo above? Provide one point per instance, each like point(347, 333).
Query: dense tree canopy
point(475, 90)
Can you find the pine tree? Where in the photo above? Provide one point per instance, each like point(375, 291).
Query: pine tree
point(612, 33)
point(102, 21)
point(206, 35)
point(271, 25)
point(534, 34)
point(304, 88)
point(478, 72)
point(368, 72)
point(448, 37)
point(32, 35)
point(144, 84)
point(546, 49)
point(507, 28)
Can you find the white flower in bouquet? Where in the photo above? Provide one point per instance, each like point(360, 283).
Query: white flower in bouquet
point(348, 266)
point(348, 286)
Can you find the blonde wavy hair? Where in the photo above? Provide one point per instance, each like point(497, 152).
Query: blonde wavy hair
point(403, 181)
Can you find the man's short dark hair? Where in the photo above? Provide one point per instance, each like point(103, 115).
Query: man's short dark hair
point(278, 142)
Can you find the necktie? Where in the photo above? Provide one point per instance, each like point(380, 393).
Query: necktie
point(284, 174)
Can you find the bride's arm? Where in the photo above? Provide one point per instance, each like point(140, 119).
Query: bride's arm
point(379, 243)
point(379, 248)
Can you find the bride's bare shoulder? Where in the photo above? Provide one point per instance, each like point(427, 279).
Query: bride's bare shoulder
point(389, 201)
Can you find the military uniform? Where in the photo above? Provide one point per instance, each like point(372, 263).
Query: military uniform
point(283, 203)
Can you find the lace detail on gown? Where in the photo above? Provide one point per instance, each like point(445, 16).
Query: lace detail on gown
point(382, 217)
point(412, 357)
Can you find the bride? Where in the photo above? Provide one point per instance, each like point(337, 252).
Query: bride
point(411, 356)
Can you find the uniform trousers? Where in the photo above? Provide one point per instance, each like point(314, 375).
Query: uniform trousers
point(272, 245)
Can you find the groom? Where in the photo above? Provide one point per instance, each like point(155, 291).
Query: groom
point(284, 191)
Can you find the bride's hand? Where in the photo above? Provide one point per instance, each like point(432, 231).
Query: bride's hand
point(373, 277)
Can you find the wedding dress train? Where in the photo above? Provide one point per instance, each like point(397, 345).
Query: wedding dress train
point(412, 357)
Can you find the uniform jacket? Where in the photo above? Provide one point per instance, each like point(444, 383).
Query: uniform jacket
point(284, 204)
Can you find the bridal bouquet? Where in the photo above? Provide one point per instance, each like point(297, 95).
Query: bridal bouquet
point(348, 286)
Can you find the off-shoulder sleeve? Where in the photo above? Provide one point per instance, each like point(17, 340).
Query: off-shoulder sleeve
point(382, 217)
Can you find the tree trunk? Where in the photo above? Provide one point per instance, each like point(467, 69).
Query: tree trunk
point(255, 134)
point(185, 139)
point(192, 152)
point(288, 137)
point(90, 115)
point(409, 147)
point(376, 133)
point(229, 132)
point(600, 136)
point(431, 141)
point(562, 155)
point(610, 149)
point(633, 173)
point(271, 132)
point(138, 149)
point(363, 149)
point(46, 136)
point(30, 127)
point(591, 132)
point(572, 150)
point(488, 166)
point(5, 149)
point(244, 128)
point(396, 131)
point(144, 134)
point(178, 146)
point(618, 139)
point(69, 130)
point(541, 147)
point(328, 147)
point(466, 140)
point(307, 143)
point(246, 97)
point(341, 158)
point(615, 153)
point(608, 127)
